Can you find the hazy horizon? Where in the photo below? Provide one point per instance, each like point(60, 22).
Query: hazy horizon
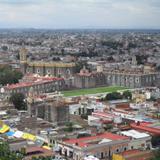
point(83, 28)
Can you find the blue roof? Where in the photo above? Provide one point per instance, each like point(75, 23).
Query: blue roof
point(118, 101)
point(10, 133)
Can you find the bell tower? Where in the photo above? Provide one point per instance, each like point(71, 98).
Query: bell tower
point(23, 59)
point(23, 54)
point(134, 60)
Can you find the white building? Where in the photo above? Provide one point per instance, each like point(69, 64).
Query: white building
point(139, 140)
point(86, 107)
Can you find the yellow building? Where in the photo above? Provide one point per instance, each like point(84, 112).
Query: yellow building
point(52, 68)
point(117, 157)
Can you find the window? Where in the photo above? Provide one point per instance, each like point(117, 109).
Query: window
point(98, 155)
point(28, 70)
point(38, 71)
point(154, 78)
point(113, 77)
point(131, 79)
point(68, 72)
point(150, 79)
point(137, 80)
point(102, 156)
point(122, 78)
point(48, 71)
point(109, 77)
point(147, 79)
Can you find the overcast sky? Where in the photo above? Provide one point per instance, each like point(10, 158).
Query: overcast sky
point(80, 14)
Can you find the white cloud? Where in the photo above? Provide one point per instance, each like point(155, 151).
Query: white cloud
point(80, 13)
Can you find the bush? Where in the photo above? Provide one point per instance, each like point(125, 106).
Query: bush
point(113, 96)
point(18, 100)
point(84, 116)
point(127, 95)
point(108, 127)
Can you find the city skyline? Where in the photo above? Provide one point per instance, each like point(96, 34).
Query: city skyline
point(68, 14)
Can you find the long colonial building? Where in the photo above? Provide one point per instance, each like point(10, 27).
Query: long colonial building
point(132, 78)
point(39, 84)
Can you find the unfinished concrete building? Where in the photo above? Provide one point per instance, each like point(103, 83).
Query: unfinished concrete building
point(50, 107)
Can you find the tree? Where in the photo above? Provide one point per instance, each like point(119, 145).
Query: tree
point(113, 96)
point(84, 116)
point(110, 58)
point(127, 95)
point(4, 48)
point(69, 126)
point(80, 64)
point(18, 100)
point(157, 154)
point(43, 158)
point(108, 127)
point(132, 45)
point(155, 141)
point(6, 154)
point(9, 76)
point(141, 59)
point(62, 51)
point(18, 56)
point(158, 68)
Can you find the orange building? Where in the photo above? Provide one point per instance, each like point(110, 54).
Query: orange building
point(133, 155)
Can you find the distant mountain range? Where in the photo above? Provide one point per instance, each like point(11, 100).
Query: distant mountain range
point(80, 30)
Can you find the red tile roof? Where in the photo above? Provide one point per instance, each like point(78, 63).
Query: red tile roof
point(85, 141)
point(102, 114)
point(37, 152)
point(148, 127)
point(36, 81)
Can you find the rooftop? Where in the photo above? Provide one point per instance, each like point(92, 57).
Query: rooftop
point(37, 152)
point(135, 134)
point(98, 139)
point(153, 128)
point(36, 81)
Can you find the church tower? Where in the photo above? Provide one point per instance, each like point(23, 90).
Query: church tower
point(134, 60)
point(23, 59)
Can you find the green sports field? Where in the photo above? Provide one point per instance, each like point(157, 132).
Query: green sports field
point(92, 91)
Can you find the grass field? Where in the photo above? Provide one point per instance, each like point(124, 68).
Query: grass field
point(92, 91)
